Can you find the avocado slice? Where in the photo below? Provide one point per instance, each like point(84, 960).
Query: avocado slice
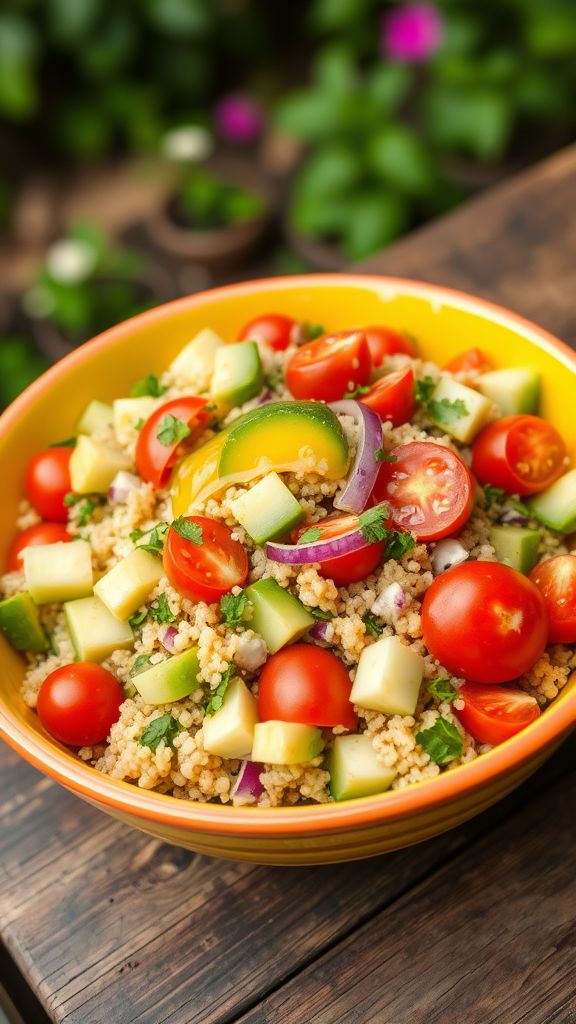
point(237, 375)
point(171, 680)
point(515, 546)
point(556, 506)
point(513, 390)
point(286, 743)
point(95, 633)
point(20, 621)
point(355, 770)
point(96, 416)
point(278, 616)
point(268, 510)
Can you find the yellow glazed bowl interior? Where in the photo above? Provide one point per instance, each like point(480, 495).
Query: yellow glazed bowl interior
point(445, 323)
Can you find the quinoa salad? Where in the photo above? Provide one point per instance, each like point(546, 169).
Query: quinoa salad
point(303, 567)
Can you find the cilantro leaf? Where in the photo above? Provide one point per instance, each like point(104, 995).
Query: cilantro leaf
point(233, 608)
point(149, 385)
point(423, 388)
point(136, 534)
point(164, 728)
point(442, 689)
point(71, 499)
point(373, 627)
point(160, 610)
point(86, 507)
point(310, 535)
point(139, 423)
point(320, 615)
point(171, 430)
point(217, 696)
point(140, 664)
point(398, 544)
point(371, 522)
point(382, 456)
point(155, 542)
point(362, 390)
point(188, 530)
point(70, 442)
point(311, 331)
point(447, 412)
point(139, 618)
point(493, 494)
point(442, 741)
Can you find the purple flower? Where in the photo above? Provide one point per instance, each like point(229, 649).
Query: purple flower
point(239, 118)
point(412, 33)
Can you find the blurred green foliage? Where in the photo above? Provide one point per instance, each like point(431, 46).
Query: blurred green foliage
point(20, 364)
point(204, 201)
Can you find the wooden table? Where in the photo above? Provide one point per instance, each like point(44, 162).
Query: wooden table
point(107, 926)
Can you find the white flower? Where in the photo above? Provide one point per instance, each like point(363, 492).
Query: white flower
point(188, 142)
point(71, 260)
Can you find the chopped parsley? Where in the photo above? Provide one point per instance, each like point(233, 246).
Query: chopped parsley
point(493, 494)
point(156, 538)
point(188, 530)
point(442, 689)
point(310, 535)
point(381, 456)
point(320, 615)
point(399, 542)
point(447, 412)
point(442, 741)
point(362, 390)
point(141, 663)
point(423, 389)
point(373, 627)
point(171, 430)
point(87, 507)
point(70, 442)
point(138, 618)
point(71, 499)
point(273, 379)
point(217, 696)
point(371, 522)
point(160, 610)
point(136, 534)
point(164, 728)
point(312, 331)
point(139, 423)
point(149, 385)
point(233, 608)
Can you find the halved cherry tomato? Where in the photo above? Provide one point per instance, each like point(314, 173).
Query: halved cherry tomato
point(78, 704)
point(345, 569)
point(48, 481)
point(522, 454)
point(205, 571)
point(492, 714)
point(392, 397)
point(274, 328)
point(429, 489)
point(556, 581)
point(41, 533)
point(473, 360)
point(326, 368)
point(484, 622)
point(306, 684)
point(154, 457)
point(385, 341)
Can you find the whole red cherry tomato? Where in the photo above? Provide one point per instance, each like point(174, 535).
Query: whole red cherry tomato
point(385, 341)
point(273, 328)
point(48, 481)
point(328, 367)
point(306, 684)
point(78, 704)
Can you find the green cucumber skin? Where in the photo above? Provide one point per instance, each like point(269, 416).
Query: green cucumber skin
point(20, 623)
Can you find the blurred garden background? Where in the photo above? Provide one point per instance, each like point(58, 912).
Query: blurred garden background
point(152, 148)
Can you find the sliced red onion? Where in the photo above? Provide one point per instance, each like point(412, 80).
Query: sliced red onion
point(248, 785)
point(362, 475)
point(316, 551)
point(121, 486)
point(265, 397)
point(514, 517)
point(390, 602)
point(318, 633)
point(446, 554)
point(167, 638)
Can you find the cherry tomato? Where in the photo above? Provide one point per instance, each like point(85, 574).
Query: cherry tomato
point(385, 341)
point(492, 714)
point(41, 533)
point(273, 328)
point(429, 489)
point(556, 581)
point(326, 368)
point(522, 454)
point(48, 481)
point(209, 569)
point(345, 569)
point(484, 622)
point(154, 457)
point(392, 397)
point(306, 684)
point(78, 704)
point(473, 360)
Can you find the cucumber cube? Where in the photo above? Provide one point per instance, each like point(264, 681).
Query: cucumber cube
point(94, 632)
point(388, 678)
point(96, 416)
point(462, 425)
point(194, 365)
point(20, 622)
point(268, 510)
point(237, 375)
point(127, 585)
point(513, 390)
point(355, 770)
point(556, 506)
point(93, 466)
point(515, 546)
point(229, 732)
point(58, 572)
point(127, 412)
point(286, 743)
point(170, 680)
point(278, 616)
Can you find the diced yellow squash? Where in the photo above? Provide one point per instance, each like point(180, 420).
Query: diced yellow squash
point(194, 364)
point(388, 678)
point(229, 732)
point(127, 412)
point(96, 417)
point(58, 572)
point(286, 743)
point(462, 425)
point(127, 585)
point(94, 465)
point(95, 633)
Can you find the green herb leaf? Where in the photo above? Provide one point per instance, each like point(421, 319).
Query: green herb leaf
point(139, 618)
point(362, 390)
point(140, 664)
point(71, 498)
point(233, 608)
point(320, 615)
point(311, 331)
point(310, 535)
point(442, 741)
point(372, 625)
point(447, 412)
point(423, 389)
point(87, 507)
point(381, 456)
point(188, 530)
point(164, 728)
point(493, 494)
point(371, 522)
point(139, 423)
point(171, 430)
point(442, 689)
point(149, 385)
point(160, 610)
point(398, 544)
point(217, 697)
point(70, 442)
point(155, 542)
point(136, 534)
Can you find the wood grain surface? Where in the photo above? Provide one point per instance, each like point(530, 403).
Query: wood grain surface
point(109, 926)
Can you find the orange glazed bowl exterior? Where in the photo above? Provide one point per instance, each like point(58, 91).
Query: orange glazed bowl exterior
point(445, 323)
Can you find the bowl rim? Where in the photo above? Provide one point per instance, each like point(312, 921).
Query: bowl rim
point(126, 799)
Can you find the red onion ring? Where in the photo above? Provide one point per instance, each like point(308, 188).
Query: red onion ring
point(121, 486)
point(167, 639)
point(362, 475)
point(317, 633)
point(248, 781)
point(316, 551)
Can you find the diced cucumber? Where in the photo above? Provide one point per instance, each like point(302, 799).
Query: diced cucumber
point(355, 770)
point(388, 678)
point(194, 365)
point(515, 546)
point(58, 572)
point(93, 466)
point(229, 732)
point(127, 585)
point(20, 622)
point(278, 616)
point(464, 425)
point(556, 506)
point(170, 680)
point(128, 412)
point(513, 390)
point(237, 375)
point(268, 510)
point(95, 633)
point(96, 417)
point(286, 743)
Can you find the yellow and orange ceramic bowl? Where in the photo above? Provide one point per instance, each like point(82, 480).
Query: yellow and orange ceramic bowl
point(445, 323)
